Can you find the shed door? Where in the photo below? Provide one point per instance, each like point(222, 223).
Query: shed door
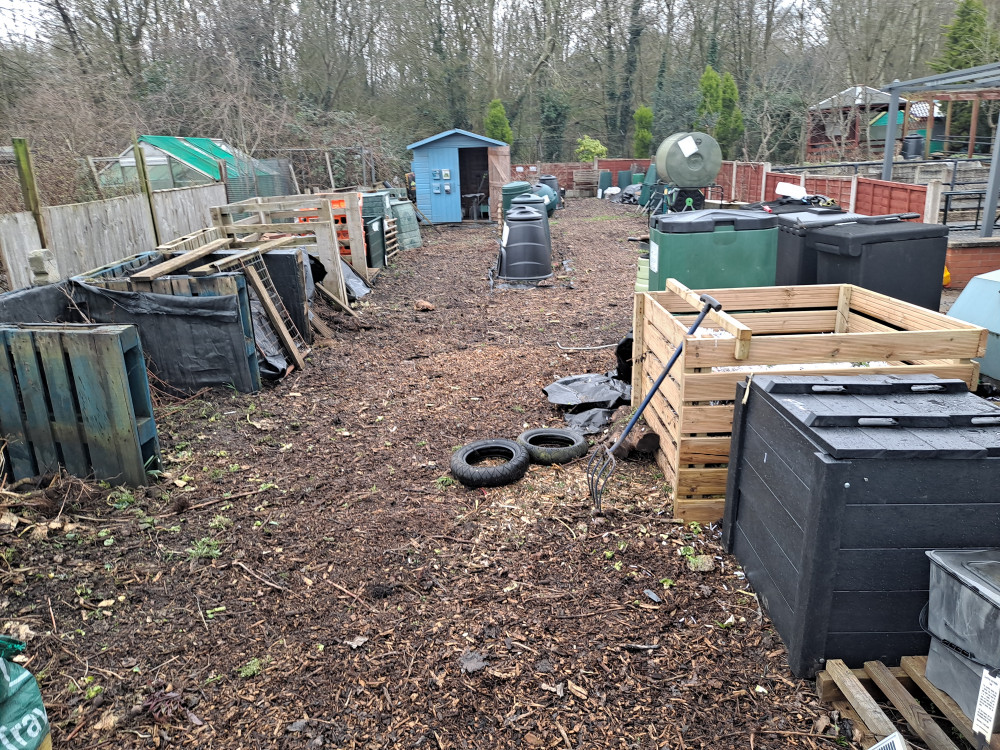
point(446, 198)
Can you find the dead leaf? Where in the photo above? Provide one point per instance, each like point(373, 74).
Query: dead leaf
point(533, 739)
point(107, 722)
point(357, 642)
point(105, 603)
point(8, 521)
point(423, 305)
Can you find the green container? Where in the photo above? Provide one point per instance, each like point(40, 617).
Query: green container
point(713, 248)
point(407, 228)
point(511, 189)
point(624, 178)
point(375, 239)
point(548, 196)
point(603, 182)
point(638, 178)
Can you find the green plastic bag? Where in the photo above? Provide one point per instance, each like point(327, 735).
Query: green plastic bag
point(24, 725)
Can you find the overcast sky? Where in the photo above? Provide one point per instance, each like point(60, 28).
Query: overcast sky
point(17, 17)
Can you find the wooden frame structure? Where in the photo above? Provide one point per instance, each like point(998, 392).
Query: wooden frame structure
point(314, 219)
point(777, 329)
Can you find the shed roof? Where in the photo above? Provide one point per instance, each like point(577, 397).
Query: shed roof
point(855, 96)
point(456, 131)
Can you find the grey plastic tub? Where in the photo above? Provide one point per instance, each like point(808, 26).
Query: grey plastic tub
point(963, 611)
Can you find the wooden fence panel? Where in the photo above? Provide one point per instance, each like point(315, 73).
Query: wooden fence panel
point(83, 236)
point(185, 210)
point(877, 197)
point(18, 238)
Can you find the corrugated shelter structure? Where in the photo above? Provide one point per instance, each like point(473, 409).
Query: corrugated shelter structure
point(459, 175)
point(174, 162)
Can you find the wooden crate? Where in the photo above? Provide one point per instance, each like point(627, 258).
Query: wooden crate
point(775, 328)
point(77, 396)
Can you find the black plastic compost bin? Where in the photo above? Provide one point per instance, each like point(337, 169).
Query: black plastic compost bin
point(796, 262)
point(837, 486)
point(902, 259)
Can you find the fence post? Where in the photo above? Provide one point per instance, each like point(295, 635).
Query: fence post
point(29, 188)
point(932, 202)
point(763, 180)
point(140, 168)
point(854, 192)
point(732, 194)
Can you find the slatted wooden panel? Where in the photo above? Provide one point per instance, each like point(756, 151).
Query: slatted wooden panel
point(77, 396)
point(836, 325)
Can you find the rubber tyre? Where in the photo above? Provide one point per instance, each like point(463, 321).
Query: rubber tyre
point(465, 468)
point(552, 445)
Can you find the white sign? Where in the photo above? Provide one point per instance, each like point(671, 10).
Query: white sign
point(654, 257)
point(894, 741)
point(986, 706)
point(506, 231)
point(687, 146)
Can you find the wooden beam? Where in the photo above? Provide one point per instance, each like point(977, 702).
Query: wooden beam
point(93, 176)
point(947, 127)
point(29, 188)
point(847, 711)
point(918, 719)
point(869, 711)
point(915, 667)
point(972, 126)
point(329, 168)
point(828, 691)
point(180, 261)
point(229, 261)
point(331, 297)
point(287, 342)
point(147, 189)
point(929, 129)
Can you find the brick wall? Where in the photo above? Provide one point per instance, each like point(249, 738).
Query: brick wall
point(564, 170)
point(966, 262)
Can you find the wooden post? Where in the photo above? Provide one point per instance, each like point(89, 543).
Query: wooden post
point(947, 127)
point(140, 168)
point(329, 170)
point(93, 176)
point(295, 182)
point(973, 125)
point(906, 123)
point(29, 188)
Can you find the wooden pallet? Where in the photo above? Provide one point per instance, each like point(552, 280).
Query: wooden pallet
point(77, 396)
point(778, 328)
point(857, 694)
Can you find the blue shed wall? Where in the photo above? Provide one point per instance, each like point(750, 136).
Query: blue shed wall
point(422, 176)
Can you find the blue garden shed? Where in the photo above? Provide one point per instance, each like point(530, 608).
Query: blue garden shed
point(459, 176)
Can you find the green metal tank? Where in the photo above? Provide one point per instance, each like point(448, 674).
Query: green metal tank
point(688, 160)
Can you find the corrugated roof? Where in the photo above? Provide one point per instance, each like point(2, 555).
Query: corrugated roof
point(454, 131)
point(184, 152)
point(855, 96)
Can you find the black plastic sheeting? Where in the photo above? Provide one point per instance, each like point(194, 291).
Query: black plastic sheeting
point(356, 286)
point(190, 342)
point(591, 399)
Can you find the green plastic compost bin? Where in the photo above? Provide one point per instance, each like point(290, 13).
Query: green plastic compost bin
point(375, 239)
point(713, 248)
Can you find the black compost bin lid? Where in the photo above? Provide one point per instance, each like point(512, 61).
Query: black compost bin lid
point(887, 416)
point(851, 239)
point(797, 207)
point(522, 212)
point(706, 220)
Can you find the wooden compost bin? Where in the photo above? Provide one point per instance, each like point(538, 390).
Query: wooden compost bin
point(773, 329)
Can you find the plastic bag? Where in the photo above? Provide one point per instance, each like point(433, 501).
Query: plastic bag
point(24, 725)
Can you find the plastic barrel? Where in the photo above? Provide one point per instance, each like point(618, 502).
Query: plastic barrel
point(603, 183)
point(547, 195)
point(535, 201)
point(553, 182)
point(624, 178)
point(511, 189)
point(525, 253)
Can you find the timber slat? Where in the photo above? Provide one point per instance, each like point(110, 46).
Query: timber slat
point(916, 667)
point(180, 261)
point(918, 719)
point(284, 335)
point(902, 686)
point(870, 712)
